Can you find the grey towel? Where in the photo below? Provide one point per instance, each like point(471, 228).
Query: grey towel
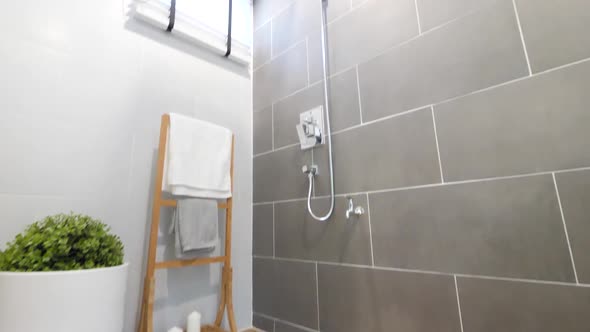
point(195, 226)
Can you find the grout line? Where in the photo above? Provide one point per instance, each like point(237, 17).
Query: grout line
point(273, 15)
point(567, 238)
point(271, 35)
point(275, 319)
point(370, 231)
point(572, 170)
point(312, 84)
point(442, 177)
point(351, 10)
point(317, 294)
point(388, 49)
point(462, 96)
point(404, 42)
point(278, 55)
point(272, 126)
point(445, 100)
point(431, 185)
point(458, 303)
point(526, 54)
point(307, 58)
point(437, 102)
point(430, 272)
point(273, 231)
point(358, 88)
point(281, 201)
point(274, 325)
point(418, 17)
point(277, 149)
point(366, 123)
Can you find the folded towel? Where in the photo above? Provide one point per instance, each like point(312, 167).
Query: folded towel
point(195, 226)
point(198, 159)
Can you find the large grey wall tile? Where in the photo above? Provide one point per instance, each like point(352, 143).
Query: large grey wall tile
point(277, 175)
point(263, 323)
point(362, 27)
point(263, 281)
point(344, 107)
point(337, 8)
point(315, 57)
point(344, 100)
point(262, 130)
point(364, 32)
point(537, 124)
point(296, 293)
point(575, 200)
point(508, 228)
point(294, 23)
point(555, 32)
point(299, 236)
point(283, 327)
point(284, 75)
point(436, 12)
point(262, 44)
point(263, 232)
point(264, 10)
point(286, 290)
point(396, 152)
point(357, 299)
point(262, 80)
point(496, 305)
point(472, 53)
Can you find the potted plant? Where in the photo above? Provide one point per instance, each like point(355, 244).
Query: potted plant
point(64, 274)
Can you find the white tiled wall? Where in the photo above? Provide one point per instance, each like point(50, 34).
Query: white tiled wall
point(82, 89)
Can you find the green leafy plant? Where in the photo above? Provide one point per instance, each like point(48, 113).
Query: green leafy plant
point(63, 242)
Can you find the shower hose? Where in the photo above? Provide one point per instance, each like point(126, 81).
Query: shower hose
point(312, 172)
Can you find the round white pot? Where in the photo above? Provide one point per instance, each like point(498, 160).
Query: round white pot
point(69, 301)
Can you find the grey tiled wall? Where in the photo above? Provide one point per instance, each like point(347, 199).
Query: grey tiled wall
point(463, 128)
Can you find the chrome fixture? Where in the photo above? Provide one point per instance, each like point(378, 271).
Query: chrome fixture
point(311, 128)
point(352, 210)
point(312, 171)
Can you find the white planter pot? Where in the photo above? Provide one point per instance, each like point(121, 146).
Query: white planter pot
point(69, 301)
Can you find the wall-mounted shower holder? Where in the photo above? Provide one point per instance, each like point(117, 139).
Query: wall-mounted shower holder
point(311, 128)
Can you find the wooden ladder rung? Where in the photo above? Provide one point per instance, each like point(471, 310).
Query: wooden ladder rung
point(172, 203)
point(189, 262)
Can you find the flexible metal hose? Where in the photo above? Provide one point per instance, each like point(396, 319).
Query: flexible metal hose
point(311, 175)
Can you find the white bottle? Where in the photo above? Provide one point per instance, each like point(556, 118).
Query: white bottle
point(193, 322)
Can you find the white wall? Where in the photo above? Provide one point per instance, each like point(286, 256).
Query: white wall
point(81, 94)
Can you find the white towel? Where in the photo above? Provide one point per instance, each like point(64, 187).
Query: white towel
point(198, 159)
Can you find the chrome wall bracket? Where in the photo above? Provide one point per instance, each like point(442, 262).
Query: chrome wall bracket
point(352, 210)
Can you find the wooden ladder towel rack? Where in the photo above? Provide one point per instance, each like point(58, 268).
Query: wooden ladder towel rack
point(226, 301)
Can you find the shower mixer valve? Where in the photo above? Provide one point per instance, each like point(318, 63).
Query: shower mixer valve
point(310, 128)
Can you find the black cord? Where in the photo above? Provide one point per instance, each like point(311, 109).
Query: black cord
point(228, 30)
point(172, 15)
